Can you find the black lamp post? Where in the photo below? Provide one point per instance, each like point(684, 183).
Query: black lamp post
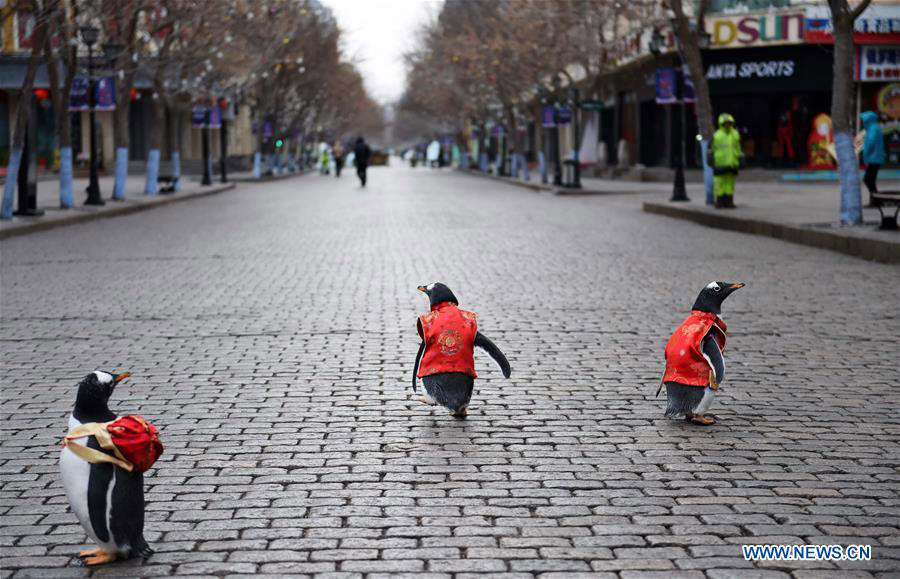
point(223, 140)
point(207, 177)
point(90, 34)
point(554, 142)
point(679, 192)
point(576, 182)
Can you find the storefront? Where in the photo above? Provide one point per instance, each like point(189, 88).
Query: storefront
point(773, 93)
point(876, 34)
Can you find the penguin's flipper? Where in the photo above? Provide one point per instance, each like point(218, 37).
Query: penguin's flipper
point(126, 519)
point(714, 358)
point(488, 346)
point(416, 367)
point(101, 477)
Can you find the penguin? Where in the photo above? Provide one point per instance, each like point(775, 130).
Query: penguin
point(445, 361)
point(107, 500)
point(694, 363)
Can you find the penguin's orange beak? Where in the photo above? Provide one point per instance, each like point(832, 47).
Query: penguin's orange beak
point(422, 289)
point(120, 377)
point(735, 286)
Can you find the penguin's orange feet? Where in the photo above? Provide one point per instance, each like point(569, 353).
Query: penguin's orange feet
point(101, 557)
point(88, 552)
point(704, 420)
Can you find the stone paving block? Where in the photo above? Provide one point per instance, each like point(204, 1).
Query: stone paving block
point(270, 333)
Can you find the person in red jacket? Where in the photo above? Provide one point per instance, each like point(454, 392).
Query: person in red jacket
point(446, 358)
point(694, 363)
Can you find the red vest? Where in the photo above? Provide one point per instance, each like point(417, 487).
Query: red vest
point(449, 335)
point(685, 363)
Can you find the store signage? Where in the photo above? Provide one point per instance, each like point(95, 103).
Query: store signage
point(755, 29)
point(752, 69)
point(878, 63)
point(876, 25)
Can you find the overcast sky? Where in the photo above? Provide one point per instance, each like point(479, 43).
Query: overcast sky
point(376, 34)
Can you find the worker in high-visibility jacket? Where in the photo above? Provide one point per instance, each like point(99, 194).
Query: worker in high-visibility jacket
point(726, 160)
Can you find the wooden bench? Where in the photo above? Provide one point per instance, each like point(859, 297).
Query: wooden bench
point(884, 199)
point(170, 183)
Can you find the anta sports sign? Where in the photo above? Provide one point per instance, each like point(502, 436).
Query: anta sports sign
point(760, 29)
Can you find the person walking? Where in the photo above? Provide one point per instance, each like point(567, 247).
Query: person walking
point(361, 154)
point(873, 151)
point(338, 151)
point(726, 160)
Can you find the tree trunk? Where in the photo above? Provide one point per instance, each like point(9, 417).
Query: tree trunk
point(60, 97)
point(22, 113)
point(690, 51)
point(842, 18)
point(120, 133)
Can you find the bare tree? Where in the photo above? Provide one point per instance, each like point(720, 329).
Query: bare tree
point(40, 10)
point(688, 36)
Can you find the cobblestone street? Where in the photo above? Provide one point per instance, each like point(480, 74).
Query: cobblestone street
point(271, 334)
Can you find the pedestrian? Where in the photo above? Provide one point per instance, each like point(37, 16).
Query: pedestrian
point(361, 154)
point(434, 154)
point(873, 151)
point(324, 167)
point(726, 160)
point(338, 151)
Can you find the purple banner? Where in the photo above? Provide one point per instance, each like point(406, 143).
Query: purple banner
point(198, 117)
point(665, 86)
point(565, 115)
point(548, 116)
point(104, 94)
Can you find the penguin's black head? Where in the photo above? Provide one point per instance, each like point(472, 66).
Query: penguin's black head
point(712, 296)
point(94, 392)
point(438, 293)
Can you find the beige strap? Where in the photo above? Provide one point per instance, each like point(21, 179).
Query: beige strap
point(97, 430)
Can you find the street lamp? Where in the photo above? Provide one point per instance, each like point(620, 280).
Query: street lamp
point(576, 183)
point(223, 138)
point(679, 192)
point(207, 177)
point(557, 166)
point(90, 35)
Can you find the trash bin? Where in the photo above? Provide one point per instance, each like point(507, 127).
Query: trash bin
point(568, 176)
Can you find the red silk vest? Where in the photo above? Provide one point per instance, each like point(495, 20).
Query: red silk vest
point(449, 335)
point(685, 363)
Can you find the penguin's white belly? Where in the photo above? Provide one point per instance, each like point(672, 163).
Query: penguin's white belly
point(76, 473)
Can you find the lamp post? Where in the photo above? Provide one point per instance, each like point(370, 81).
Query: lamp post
point(207, 177)
point(223, 139)
point(554, 142)
point(576, 183)
point(679, 192)
point(90, 34)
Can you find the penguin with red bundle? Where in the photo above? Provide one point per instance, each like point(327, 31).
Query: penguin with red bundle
point(694, 363)
point(102, 464)
point(446, 358)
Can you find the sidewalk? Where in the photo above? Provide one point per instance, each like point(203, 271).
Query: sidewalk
point(590, 185)
point(805, 214)
point(135, 200)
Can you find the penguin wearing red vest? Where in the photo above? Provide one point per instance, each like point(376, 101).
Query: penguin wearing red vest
point(446, 358)
point(694, 363)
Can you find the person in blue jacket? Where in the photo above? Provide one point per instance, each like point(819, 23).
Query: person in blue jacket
point(873, 150)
